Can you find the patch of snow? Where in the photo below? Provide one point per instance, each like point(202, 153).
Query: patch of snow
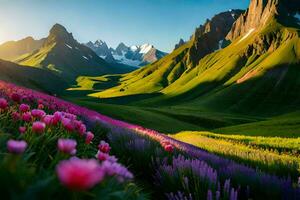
point(103, 57)
point(220, 44)
point(297, 16)
point(123, 60)
point(90, 56)
point(77, 48)
point(134, 48)
point(230, 10)
point(85, 57)
point(99, 43)
point(233, 15)
point(246, 35)
point(145, 48)
point(69, 46)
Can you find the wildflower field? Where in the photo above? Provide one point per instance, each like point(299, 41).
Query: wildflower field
point(52, 149)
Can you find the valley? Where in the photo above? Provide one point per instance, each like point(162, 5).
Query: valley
point(216, 118)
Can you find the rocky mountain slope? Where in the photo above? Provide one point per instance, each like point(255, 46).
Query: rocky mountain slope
point(102, 50)
point(137, 55)
point(13, 49)
point(179, 44)
point(257, 72)
point(61, 53)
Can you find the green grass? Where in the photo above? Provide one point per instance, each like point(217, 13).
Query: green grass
point(264, 83)
point(256, 151)
point(164, 119)
point(89, 83)
point(290, 146)
point(282, 126)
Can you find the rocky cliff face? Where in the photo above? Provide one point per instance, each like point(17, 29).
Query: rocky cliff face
point(259, 13)
point(210, 36)
point(179, 44)
point(101, 49)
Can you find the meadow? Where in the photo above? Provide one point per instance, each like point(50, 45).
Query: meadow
point(114, 158)
point(272, 154)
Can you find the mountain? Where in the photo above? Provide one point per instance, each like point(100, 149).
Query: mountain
point(30, 77)
point(137, 55)
point(61, 53)
point(179, 44)
point(13, 49)
point(252, 67)
point(102, 50)
point(159, 75)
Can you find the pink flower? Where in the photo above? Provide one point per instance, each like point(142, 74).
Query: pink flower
point(82, 129)
point(38, 113)
point(67, 124)
point(38, 127)
point(104, 147)
point(77, 124)
point(16, 147)
point(24, 108)
point(16, 116)
point(26, 117)
point(67, 146)
point(3, 103)
point(48, 120)
point(40, 101)
point(164, 143)
point(169, 148)
point(79, 174)
point(89, 137)
point(22, 129)
point(104, 156)
point(41, 106)
point(57, 116)
point(16, 97)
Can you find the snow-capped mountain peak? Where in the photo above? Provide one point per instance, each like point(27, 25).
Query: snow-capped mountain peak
point(135, 55)
point(99, 43)
point(134, 48)
point(145, 48)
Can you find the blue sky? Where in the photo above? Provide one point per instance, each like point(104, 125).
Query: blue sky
point(160, 22)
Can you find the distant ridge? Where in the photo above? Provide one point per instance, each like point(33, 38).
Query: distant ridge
point(13, 49)
point(62, 54)
point(136, 55)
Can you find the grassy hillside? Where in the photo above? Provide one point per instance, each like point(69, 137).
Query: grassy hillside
point(267, 154)
point(164, 119)
point(11, 50)
point(257, 74)
point(62, 54)
point(31, 77)
point(284, 126)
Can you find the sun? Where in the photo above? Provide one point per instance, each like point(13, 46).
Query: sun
point(3, 36)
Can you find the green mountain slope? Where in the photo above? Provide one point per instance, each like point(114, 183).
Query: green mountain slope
point(152, 78)
point(259, 72)
point(13, 49)
point(31, 77)
point(62, 54)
